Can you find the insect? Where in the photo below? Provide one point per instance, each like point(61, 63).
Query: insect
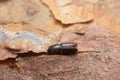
point(63, 49)
point(15, 65)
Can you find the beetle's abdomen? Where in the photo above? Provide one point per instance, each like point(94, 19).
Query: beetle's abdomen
point(54, 49)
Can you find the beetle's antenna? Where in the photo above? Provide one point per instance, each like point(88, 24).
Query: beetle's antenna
point(89, 51)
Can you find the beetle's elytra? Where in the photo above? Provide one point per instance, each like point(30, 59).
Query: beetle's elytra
point(63, 49)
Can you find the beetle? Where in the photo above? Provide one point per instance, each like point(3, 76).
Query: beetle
point(63, 49)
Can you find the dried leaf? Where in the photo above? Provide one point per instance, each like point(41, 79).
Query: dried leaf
point(69, 12)
point(25, 37)
point(5, 54)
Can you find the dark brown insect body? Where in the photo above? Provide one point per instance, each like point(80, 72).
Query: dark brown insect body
point(63, 49)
